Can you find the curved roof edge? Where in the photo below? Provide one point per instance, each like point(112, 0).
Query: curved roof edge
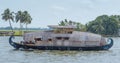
point(57, 26)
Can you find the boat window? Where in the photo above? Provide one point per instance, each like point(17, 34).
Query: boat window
point(59, 38)
point(38, 39)
point(70, 32)
point(66, 38)
point(49, 39)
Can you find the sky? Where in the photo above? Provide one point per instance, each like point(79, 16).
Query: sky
point(51, 12)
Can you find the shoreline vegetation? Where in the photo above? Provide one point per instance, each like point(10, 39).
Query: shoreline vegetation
point(18, 33)
point(6, 31)
point(104, 25)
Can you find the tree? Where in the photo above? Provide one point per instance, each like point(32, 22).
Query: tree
point(19, 18)
point(23, 18)
point(27, 18)
point(64, 22)
point(117, 18)
point(7, 15)
point(79, 26)
point(111, 27)
point(103, 25)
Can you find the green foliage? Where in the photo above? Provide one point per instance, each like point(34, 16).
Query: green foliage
point(27, 18)
point(105, 25)
point(117, 18)
point(79, 26)
point(7, 15)
point(23, 18)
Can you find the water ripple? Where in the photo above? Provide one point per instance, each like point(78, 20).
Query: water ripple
point(9, 55)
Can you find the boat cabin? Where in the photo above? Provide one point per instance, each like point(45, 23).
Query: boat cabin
point(62, 29)
point(64, 36)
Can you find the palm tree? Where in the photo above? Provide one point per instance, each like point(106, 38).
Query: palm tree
point(111, 27)
point(99, 27)
point(7, 15)
point(23, 17)
point(62, 23)
point(20, 18)
point(79, 26)
point(27, 18)
point(117, 18)
point(104, 24)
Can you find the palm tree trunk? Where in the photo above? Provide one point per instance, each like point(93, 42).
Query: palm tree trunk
point(10, 25)
point(20, 29)
point(26, 27)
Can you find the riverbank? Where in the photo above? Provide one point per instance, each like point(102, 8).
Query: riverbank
point(20, 33)
point(16, 32)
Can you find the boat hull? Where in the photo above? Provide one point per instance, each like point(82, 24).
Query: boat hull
point(18, 45)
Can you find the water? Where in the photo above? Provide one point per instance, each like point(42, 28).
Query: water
point(9, 55)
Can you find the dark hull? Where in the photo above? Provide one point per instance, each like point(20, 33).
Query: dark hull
point(17, 46)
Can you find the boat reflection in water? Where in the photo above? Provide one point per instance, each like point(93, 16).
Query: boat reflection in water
point(62, 38)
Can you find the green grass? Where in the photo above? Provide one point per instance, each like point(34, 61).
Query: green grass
point(17, 32)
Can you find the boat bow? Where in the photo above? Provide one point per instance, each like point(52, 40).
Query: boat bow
point(13, 43)
point(108, 46)
point(10, 40)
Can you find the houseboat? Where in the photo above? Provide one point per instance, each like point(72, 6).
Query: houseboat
point(62, 38)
